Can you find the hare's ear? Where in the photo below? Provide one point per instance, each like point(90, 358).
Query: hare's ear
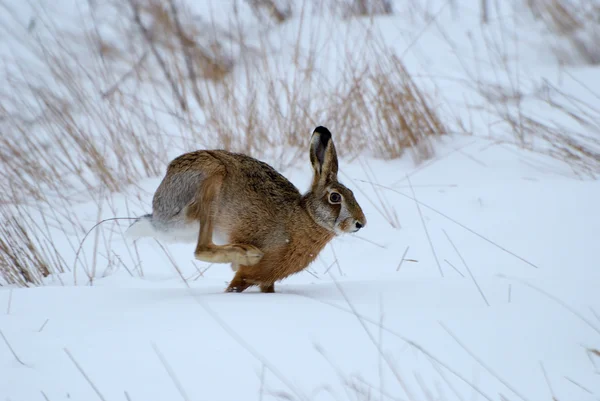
point(323, 157)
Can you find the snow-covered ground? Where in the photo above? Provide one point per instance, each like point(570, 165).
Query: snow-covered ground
point(476, 278)
point(369, 326)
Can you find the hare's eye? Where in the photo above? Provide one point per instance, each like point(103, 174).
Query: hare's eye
point(334, 197)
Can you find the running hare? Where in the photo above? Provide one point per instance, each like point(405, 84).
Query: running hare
point(270, 229)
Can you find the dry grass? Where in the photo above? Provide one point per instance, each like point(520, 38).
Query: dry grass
point(102, 111)
point(539, 116)
point(101, 106)
point(278, 11)
point(398, 114)
point(575, 26)
point(86, 114)
point(363, 8)
point(27, 252)
point(60, 134)
point(572, 135)
point(95, 108)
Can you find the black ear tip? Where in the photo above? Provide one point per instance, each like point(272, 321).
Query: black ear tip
point(322, 130)
point(324, 134)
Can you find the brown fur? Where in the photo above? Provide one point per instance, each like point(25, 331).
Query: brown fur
point(273, 230)
point(278, 263)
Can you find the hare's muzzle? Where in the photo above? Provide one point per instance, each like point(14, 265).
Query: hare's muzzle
point(358, 224)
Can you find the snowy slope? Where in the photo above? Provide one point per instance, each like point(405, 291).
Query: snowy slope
point(364, 327)
point(476, 277)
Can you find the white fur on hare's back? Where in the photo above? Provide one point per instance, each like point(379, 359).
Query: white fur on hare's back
point(181, 233)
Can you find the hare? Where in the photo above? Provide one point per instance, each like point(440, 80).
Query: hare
point(270, 229)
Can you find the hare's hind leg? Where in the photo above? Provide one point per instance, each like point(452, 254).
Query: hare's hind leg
point(203, 208)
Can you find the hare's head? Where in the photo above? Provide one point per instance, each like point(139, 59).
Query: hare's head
point(330, 203)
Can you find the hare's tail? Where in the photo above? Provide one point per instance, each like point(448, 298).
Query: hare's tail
point(141, 227)
point(147, 226)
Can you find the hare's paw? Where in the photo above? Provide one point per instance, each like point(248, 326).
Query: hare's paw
point(243, 254)
point(238, 284)
point(234, 289)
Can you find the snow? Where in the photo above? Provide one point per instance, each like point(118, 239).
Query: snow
point(486, 290)
point(308, 333)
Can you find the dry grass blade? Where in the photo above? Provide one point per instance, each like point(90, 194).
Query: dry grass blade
point(43, 325)
point(467, 267)
point(383, 207)
point(595, 314)
point(10, 293)
point(462, 226)
point(235, 336)
point(548, 381)
point(590, 356)
point(12, 351)
point(329, 267)
point(171, 373)
point(486, 367)
point(87, 378)
point(271, 8)
point(578, 385)
point(402, 259)
point(454, 267)
point(445, 379)
point(424, 389)
point(380, 343)
point(110, 91)
point(385, 357)
point(173, 263)
point(369, 241)
point(80, 247)
point(425, 228)
point(262, 383)
point(558, 301)
point(311, 273)
point(336, 260)
point(92, 272)
point(382, 392)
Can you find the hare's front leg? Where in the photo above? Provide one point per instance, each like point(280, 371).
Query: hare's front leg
point(267, 288)
point(239, 282)
point(203, 210)
point(246, 277)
